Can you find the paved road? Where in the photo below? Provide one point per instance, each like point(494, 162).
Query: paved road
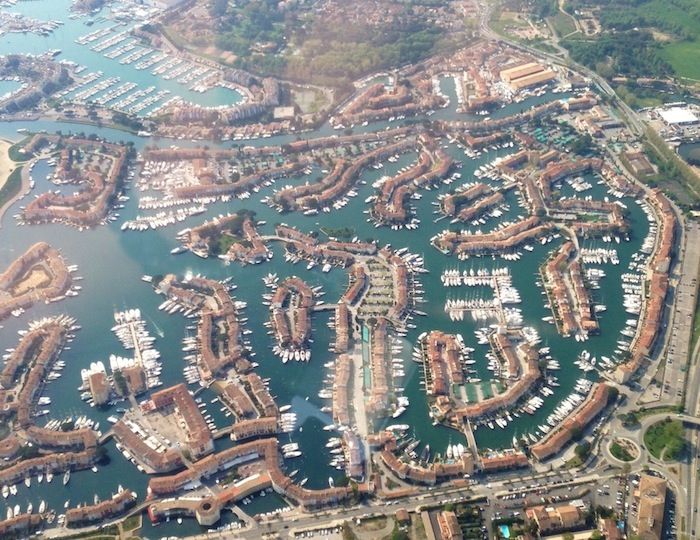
point(635, 121)
point(687, 499)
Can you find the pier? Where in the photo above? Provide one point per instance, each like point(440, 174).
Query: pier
point(325, 307)
point(471, 440)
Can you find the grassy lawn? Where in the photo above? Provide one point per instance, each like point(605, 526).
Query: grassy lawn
point(507, 19)
point(543, 46)
point(672, 13)
point(131, 523)
point(372, 524)
point(683, 56)
point(417, 528)
point(573, 462)
point(15, 154)
point(620, 452)
point(665, 437)
point(648, 102)
point(499, 26)
point(12, 186)
point(563, 24)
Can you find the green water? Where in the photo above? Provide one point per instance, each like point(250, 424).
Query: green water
point(64, 37)
point(112, 263)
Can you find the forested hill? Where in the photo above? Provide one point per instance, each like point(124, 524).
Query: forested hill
point(325, 41)
point(638, 38)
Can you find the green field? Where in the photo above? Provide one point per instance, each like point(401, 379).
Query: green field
point(506, 19)
point(15, 154)
point(12, 186)
point(674, 25)
point(683, 56)
point(665, 437)
point(563, 24)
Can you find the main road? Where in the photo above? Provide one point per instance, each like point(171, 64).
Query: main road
point(686, 288)
point(635, 122)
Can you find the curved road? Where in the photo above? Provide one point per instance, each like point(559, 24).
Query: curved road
point(635, 121)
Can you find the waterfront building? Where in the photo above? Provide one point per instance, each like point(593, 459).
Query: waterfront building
point(652, 503)
point(39, 256)
point(341, 382)
point(99, 387)
point(109, 509)
point(502, 461)
point(178, 401)
point(258, 427)
point(658, 283)
point(559, 437)
point(22, 525)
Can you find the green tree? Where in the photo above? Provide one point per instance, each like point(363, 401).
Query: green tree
point(583, 450)
point(218, 8)
point(399, 534)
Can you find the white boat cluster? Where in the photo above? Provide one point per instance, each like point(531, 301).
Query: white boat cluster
point(170, 306)
point(437, 90)
point(455, 451)
point(298, 355)
point(578, 183)
point(531, 335)
point(161, 219)
point(633, 294)
point(288, 421)
point(133, 335)
point(594, 275)
point(561, 411)
point(585, 362)
point(599, 256)
point(190, 371)
point(205, 414)
point(472, 278)
point(199, 78)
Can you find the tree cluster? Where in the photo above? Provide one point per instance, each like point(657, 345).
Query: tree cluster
point(632, 53)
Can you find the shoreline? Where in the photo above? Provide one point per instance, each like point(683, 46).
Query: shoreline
point(7, 167)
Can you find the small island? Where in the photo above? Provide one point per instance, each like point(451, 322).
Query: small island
point(39, 274)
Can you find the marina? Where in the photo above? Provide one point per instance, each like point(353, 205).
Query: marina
point(289, 387)
point(139, 310)
point(290, 390)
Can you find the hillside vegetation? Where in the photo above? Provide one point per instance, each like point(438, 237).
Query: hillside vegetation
point(638, 38)
point(323, 42)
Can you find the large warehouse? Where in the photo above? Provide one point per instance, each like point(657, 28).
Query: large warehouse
point(526, 75)
point(678, 116)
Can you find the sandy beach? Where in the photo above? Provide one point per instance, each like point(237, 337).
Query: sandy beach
point(6, 164)
point(6, 168)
